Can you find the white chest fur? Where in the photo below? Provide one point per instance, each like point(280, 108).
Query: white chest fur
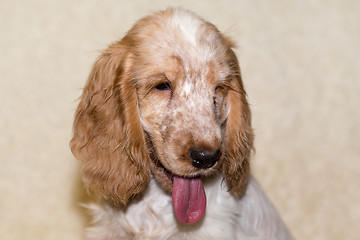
point(151, 216)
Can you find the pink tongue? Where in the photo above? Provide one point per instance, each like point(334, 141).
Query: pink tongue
point(189, 199)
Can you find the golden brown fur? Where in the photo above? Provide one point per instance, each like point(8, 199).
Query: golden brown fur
point(107, 131)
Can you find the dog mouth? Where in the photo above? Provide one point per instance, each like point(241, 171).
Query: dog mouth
point(188, 196)
point(188, 193)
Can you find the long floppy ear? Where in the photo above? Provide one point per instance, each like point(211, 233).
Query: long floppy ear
point(108, 137)
point(239, 134)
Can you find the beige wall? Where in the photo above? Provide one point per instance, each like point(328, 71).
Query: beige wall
point(301, 67)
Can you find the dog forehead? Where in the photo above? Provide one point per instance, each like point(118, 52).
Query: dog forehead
point(178, 32)
point(177, 40)
point(192, 37)
point(187, 25)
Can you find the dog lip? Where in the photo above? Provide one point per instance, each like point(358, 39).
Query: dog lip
point(171, 175)
point(168, 173)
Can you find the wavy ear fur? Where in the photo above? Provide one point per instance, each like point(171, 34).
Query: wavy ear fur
point(108, 137)
point(239, 134)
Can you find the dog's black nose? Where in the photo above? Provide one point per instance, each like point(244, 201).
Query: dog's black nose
point(204, 159)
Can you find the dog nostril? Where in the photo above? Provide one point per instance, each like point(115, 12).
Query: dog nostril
point(204, 159)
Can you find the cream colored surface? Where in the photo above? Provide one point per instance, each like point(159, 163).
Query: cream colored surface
point(301, 67)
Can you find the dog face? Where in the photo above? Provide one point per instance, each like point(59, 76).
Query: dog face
point(167, 100)
point(182, 108)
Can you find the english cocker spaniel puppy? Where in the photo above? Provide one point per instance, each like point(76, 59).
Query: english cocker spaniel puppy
point(163, 131)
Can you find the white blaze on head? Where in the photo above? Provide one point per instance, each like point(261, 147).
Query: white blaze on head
point(189, 28)
point(187, 24)
point(190, 41)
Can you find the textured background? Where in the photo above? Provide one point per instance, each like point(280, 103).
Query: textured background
point(301, 67)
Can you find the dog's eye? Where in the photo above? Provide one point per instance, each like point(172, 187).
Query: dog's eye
point(220, 103)
point(163, 86)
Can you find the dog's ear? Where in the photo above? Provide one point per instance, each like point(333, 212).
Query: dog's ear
point(239, 134)
point(107, 134)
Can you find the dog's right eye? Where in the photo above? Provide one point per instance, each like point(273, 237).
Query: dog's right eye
point(163, 86)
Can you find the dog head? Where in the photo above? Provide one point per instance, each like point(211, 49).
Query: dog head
point(166, 100)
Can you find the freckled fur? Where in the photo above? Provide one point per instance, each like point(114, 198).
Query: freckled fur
point(127, 132)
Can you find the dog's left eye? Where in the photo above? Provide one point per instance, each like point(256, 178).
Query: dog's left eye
point(163, 86)
point(220, 103)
